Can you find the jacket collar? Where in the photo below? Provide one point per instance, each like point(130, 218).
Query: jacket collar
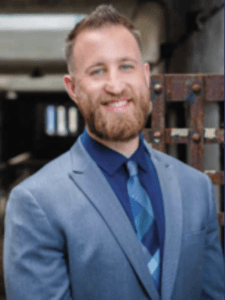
point(108, 159)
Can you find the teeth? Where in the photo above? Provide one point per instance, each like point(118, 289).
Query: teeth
point(118, 104)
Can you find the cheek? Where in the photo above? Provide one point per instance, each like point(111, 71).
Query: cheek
point(93, 89)
point(137, 82)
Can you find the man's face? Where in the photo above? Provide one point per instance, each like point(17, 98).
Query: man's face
point(110, 83)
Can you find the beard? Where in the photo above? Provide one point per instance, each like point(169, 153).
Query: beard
point(115, 126)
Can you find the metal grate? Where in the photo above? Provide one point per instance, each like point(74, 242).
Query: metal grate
point(195, 90)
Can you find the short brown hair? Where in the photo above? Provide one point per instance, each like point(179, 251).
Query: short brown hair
point(102, 16)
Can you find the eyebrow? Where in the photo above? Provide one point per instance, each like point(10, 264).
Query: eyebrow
point(101, 63)
point(128, 59)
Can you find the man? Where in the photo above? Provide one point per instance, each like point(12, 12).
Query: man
point(112, 218)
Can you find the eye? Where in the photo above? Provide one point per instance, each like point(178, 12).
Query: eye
point(127, 67)
point(96, 72)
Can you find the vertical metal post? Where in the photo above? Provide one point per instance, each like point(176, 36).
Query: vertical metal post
point(197, 123)
point(158, 112)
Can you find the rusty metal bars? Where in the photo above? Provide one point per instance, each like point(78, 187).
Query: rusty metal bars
point(195, 89)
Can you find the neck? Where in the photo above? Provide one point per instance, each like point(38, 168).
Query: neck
point(127, 148)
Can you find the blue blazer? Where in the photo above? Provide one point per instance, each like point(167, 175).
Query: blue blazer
point(68, 237)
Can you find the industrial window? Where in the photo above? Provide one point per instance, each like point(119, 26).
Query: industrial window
point(61, 120)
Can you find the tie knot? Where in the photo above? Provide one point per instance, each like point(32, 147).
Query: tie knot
point(132, 168)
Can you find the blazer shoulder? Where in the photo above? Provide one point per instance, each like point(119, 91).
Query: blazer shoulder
point(54, 171)
point(183, 170)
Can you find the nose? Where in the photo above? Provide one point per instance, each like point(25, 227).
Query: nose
point(114, 83)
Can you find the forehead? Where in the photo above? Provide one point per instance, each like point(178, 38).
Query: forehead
point(107, 43)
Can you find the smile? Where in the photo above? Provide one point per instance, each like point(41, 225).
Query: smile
point(118, 105)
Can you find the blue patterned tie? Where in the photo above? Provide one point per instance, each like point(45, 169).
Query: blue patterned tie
point(144, 221)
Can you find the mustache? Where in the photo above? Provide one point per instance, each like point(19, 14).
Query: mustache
point(115, 97)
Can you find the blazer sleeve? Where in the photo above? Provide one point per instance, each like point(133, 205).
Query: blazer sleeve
point(33, 255)
point(213, 275)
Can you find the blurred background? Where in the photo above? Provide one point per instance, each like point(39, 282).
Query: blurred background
point(38, 121)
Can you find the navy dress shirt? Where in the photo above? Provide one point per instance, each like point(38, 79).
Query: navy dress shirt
point(113, 166)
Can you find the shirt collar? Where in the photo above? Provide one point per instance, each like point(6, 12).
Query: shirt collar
point(110, 160)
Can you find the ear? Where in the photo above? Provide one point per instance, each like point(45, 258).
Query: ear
point(147, 78)
point(147, 73)
point(70, 87)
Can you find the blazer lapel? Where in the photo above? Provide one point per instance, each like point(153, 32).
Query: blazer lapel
point(90, 179)
point(173, 221)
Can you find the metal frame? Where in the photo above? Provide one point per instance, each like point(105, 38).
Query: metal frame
point(196, 89)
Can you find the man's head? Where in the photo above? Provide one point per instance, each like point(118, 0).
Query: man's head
point(103, 16)
point(108, 80)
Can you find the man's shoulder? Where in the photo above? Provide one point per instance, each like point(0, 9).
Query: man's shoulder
point(182, 169)
point(54, 171)
point(55, 175)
